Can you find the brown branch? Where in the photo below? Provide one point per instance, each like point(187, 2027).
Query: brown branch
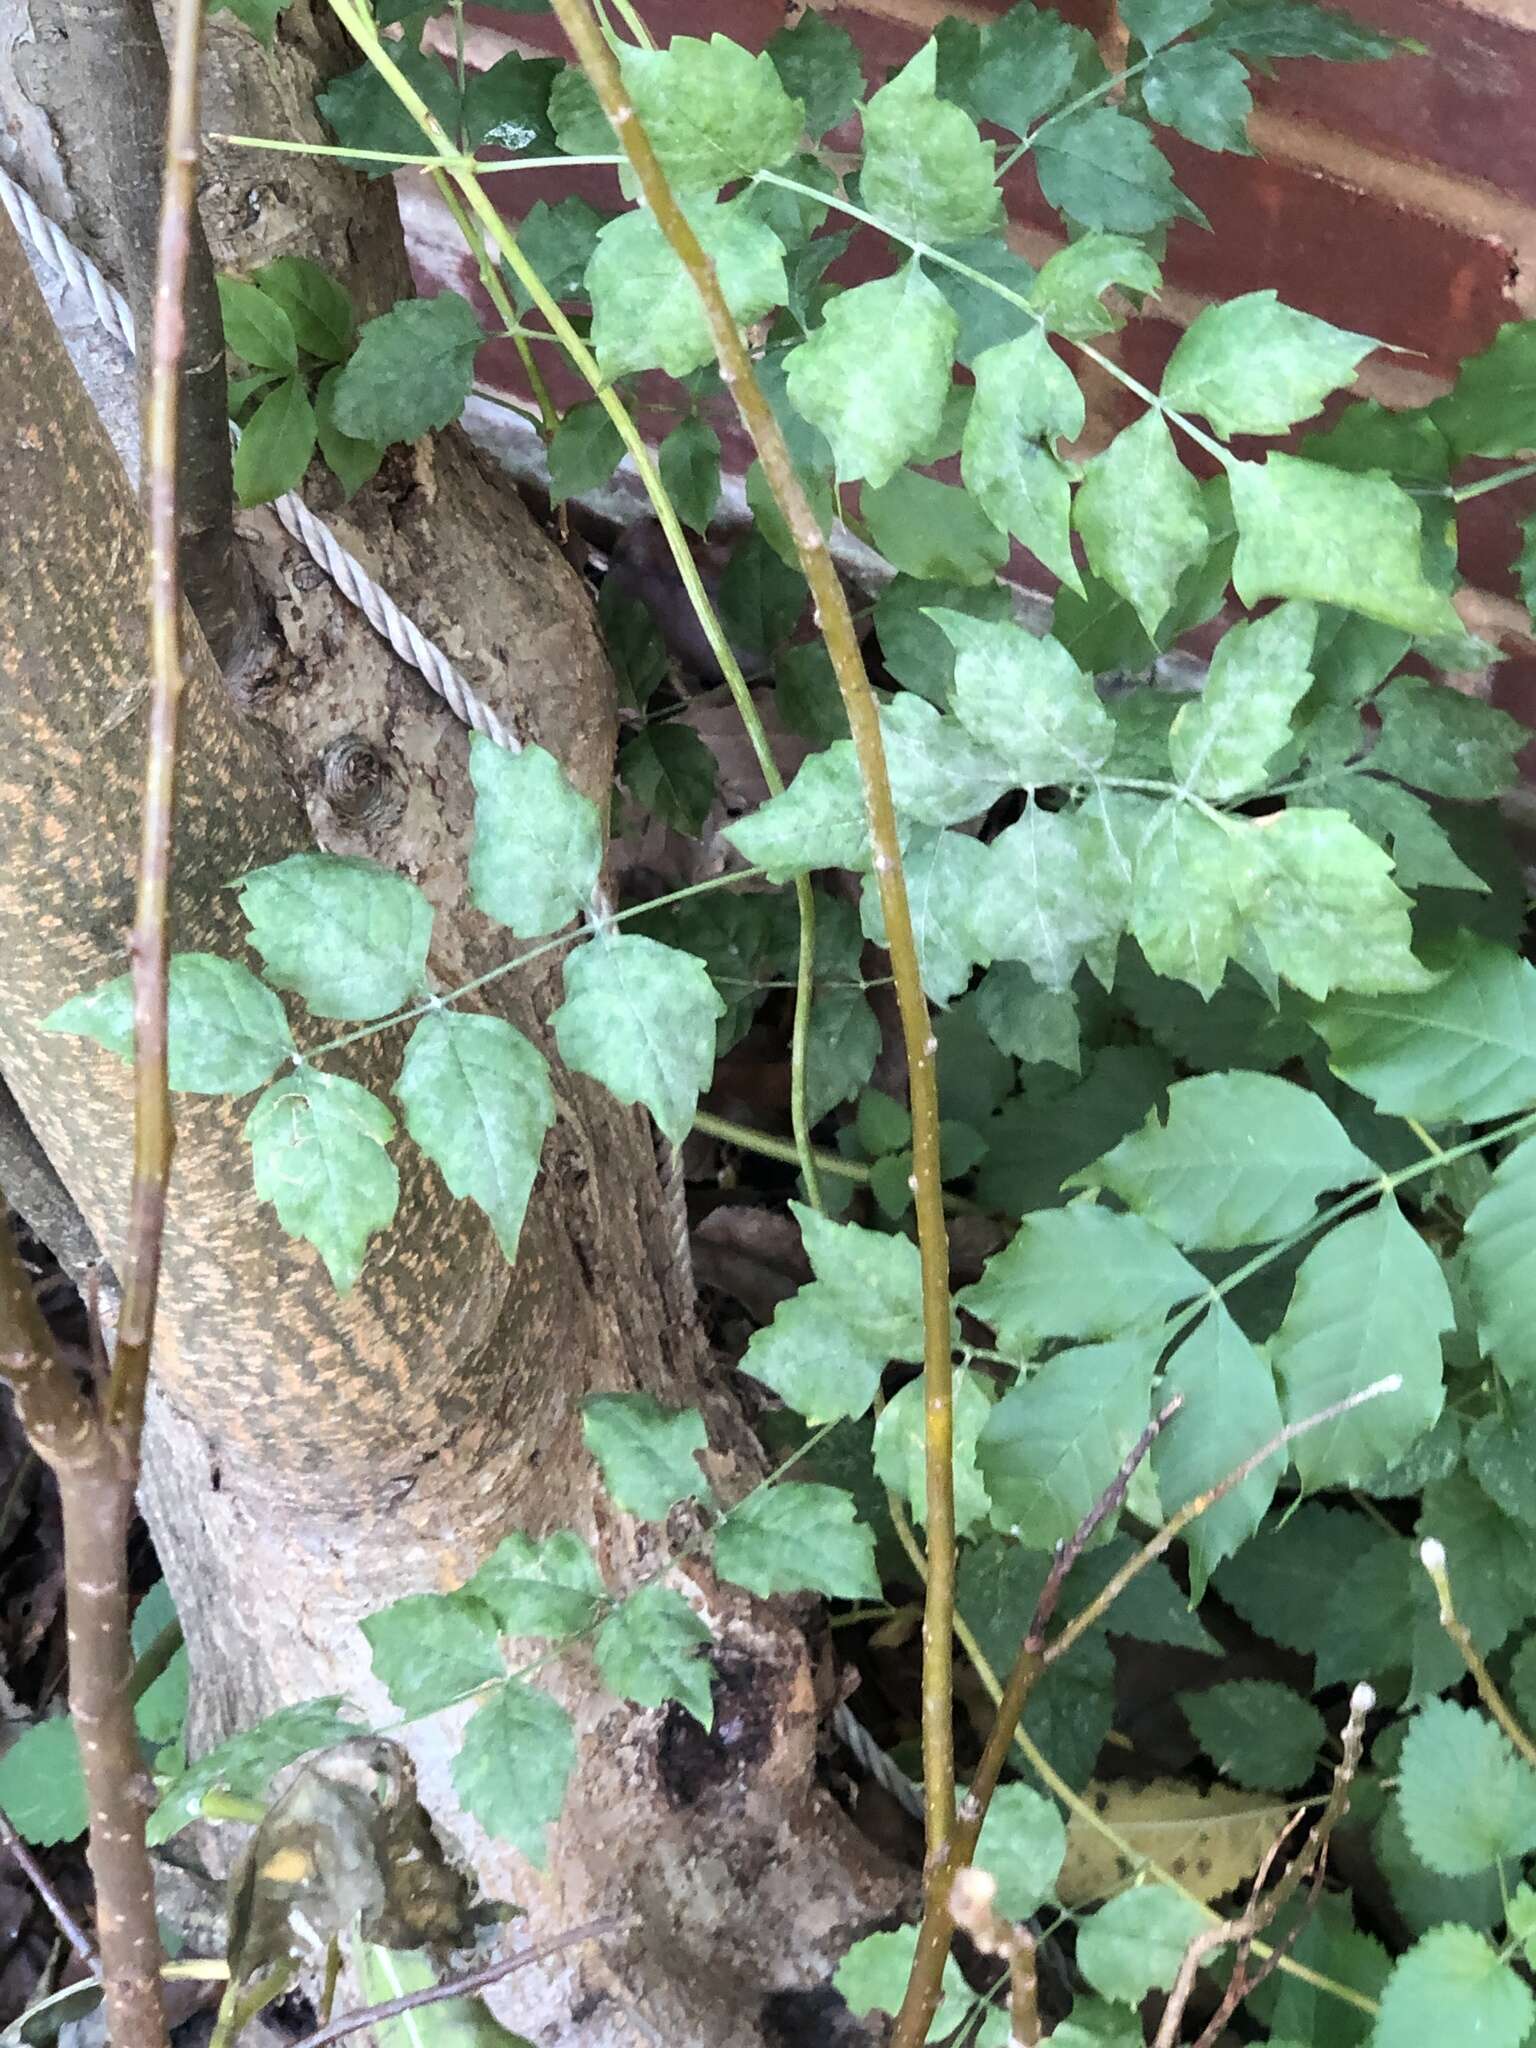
point(43, 1885)
point(457, 1987)
point(842, 643)
point(153, 1134)
point(116, 63)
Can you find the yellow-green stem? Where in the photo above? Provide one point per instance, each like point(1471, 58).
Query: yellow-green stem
point(842, 643)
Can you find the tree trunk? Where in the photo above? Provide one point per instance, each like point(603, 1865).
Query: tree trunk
point(309, 1458)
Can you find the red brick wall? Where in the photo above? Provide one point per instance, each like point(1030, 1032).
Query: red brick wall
point(1397, 199)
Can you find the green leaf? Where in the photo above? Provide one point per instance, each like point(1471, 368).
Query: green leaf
point(1253, 366)
point(1273, 1581)
point(925, 528)
point(1026, 700)
point(818, 822)
point(1043, 900)
point(347, 935)
point(411, 370)
point(1492, 1565)
point(1093, 2023)
point(640, 1018)
point(1442, 741)
point(1055, 1441)
point(1202, 92)
point(275, 444)
point(812, 1360)
point(351, 461)
point(874, 375)
point(1422, 854)
point(1369, 1298)
point(913, 646)
point(1156, 22)
point(1241, 1158)
point(511, 1772)
point(1032, 1024)
point(926, 173)
point(42, 1785)
point(1135, 1943)
point(1024, 67)
point(1229, 1412)
point(1023, 1844)
point(550, 1589)
point(246, 1763)
point(384, 1974)
point(761, 597)
point(259, 16)
point(873, 1278)
point(648, 1652)
point(584, 451)
point(818, 64)
point(538, 841)
point(797, 1537)
point(507, 104)
point(227, 1034)
point(646, 1452)
point(669, 770)
point(319, 309)
point(689, 461)
point(1296, 28)
point(1139, 512)
point(1492, 409)
point(256, 328)
point(1224, 738)
point(1466, 1798)
point(431, 1649)
point(939, 774)
point(901, 1449)
point(873, 1976)
point(1305, 530)
point(363, 113)
point(1068, 292)
point(1463, 1049)
point(1499, 1262)
point(1024, 395)
point(645, 311)
point(1048, 1281)
point(558, 241)
point(478, 1102)
point(1104, 170)
point(1501, 1456)
point(317, 1154)
point(946, 878)
point(1451, 1985)
point(1188, 901)
point(1319, 897)
point(713, 111)
point(1257, 1732)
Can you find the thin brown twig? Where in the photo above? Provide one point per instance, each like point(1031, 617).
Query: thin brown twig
point(458, 1987)
point(44, 1886)
point(842, 643)
point(973, 1897)
point(1263, 1906)
point(1432, 1557)
point(149, 947)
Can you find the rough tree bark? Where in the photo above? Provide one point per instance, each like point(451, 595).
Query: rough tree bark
point(311, 1459)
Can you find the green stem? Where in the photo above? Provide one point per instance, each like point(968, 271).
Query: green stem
point(1493, 483)
point(549, 417)
point(1076, 106)
point(751, 1140)
point(846, 654)
point(565, 938)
